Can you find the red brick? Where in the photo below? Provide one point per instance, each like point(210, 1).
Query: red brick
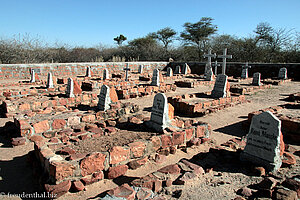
point(171, 111)
point(156, 143)
point(166, 141)
point(114, 172)
point(61, 170)
point(92, 163)
point(88, 118)
point(24, 107)
point(170, 169)
point(113, 95)
point(118, 154)
point(58, 123)
point(124, 191)
point(137, 149)
point(58, 190)
point(178, 138)
point(200, 131)
point(77, 89)
point(41, 127)
point(77, 186)
point(189, 132)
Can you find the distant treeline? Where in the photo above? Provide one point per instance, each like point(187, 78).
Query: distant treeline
point(266, 44)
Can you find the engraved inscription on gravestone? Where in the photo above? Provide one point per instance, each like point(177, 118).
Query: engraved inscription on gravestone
point(159, 112)
point(104, 98)
point(256, 79)
point(263, 141)
point(219, 90)
point(282, 73)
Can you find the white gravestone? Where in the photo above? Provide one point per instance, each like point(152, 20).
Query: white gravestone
point(160, 111)
point(177, 70)
point(282, 73)
point(219, 90)
point(256, 79)
point(50, 81)
point(208, 64)
point(245, 71)
point(141, 69)
point(263, 142)
point(224, 57)
point(155, 78)
point(32, 76)
point(169, 72)
point(105, 74)
point(104, 98)
point(70, 88)
point(186, 69)
point(88, 72)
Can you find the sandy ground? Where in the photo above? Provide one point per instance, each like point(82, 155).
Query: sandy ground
point(16, 175)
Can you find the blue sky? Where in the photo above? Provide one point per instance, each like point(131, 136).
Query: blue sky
point(90, 22)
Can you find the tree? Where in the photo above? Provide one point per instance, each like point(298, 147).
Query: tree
point(120, 39)
point(165, 35)
point(198, 33)
point(272, 40)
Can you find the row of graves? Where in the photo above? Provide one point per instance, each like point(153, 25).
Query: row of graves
point(82, 136)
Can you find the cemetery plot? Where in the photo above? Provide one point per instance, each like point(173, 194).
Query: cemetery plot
point(247, 88)
point(289, 115)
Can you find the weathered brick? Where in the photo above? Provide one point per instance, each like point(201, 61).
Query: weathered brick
point(92, 163)
point(41, 127)
point(61, 170)
point(58, 123)
point(118, 154)
point(178, 138)
point(137, 149)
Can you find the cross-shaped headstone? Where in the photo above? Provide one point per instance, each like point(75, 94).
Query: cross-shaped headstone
point(245, 70)
point(224, 57)
point(216, 65)
point(126, 72)
point(209, 56)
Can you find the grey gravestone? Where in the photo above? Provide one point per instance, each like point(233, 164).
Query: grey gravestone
point(32, 76)
point(141, 69)
point(105, 74)
point(177, 70)
point(209, 75)
point(263, 142)
point(70, 88)
point(224, 57)
point(256, 79)
point(88, 72)
point(169, 72)
point(160, 111)
point(126, 72)
point(219, 90)
point(245, 70)
point(104, 98)
point(208, 64)
point(50, 81)
point(282, 73)
point(155, 78)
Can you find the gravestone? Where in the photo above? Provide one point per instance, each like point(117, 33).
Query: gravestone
point(104, 98)
point(126, 72)
point(50, 81)
point(186, 69)
point(282, 73)
point(160, 112)
point(208, 64)
point(88, 72)
point(155, 78)
point(220, 87)
point(256, 79)
point(169, 72)
point(32, 76)
point(70, 88)
point(224, 57)
point(177, 70)
point(105, 74)
point(209, 75)
point(263, 142)
point(141, 69)
point(245, 71)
